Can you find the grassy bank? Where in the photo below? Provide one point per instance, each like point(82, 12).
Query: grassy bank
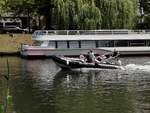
point(12, 44)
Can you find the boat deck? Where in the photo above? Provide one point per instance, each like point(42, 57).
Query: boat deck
point(130, 50)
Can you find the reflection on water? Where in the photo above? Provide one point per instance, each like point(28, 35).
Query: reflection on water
point(38, 86)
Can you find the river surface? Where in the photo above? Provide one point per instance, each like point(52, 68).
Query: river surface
point(39, 86)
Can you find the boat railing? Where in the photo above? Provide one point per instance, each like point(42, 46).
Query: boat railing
point(40, 33)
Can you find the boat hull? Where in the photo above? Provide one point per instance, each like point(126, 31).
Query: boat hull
point(40, 52)
point(66, 63)
point(33, 51)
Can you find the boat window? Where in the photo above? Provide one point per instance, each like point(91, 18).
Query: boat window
point(61, 32)
point(105, 43)
point(148, 42)
point(40, 32)
point(73, 44)
point(121, 43)
point(44, 44)
point(52, 44)
point(121, 32)
point(62, 44)
point(88, 44)
point(37, 43)
point(50, 32)
point(73, 32)
point(137, 42)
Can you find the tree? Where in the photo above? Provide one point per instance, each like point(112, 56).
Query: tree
point(45, 7)
point(144, 14)
point(25, 8)
point(62, 14)
point(4, 8)
point(77, 14)
point(89, 16)
point(118, 14)
point(145, 4)
point(80, 14)
point(21, 6)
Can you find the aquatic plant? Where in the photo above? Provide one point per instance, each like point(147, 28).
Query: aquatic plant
point(7, 102)
point(1, 108)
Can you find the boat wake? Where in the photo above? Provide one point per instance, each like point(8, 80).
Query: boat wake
point(138, 67)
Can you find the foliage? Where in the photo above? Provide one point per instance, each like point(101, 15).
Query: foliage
point(89, 17)
point(145, 4)
point(84, 14)
point(21, 6)
point(80, 14)
point(4, 6)
point(145, 13)
point(1, 108)
point(77, 14)
point(9, 98)
point(118, 14)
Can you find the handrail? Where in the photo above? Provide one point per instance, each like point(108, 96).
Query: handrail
point(88, 32)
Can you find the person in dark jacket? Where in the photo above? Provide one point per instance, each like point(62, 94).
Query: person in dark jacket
point(90, 57)
point(115, 53)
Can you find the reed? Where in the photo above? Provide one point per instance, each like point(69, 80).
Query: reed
point(1, 108)
point(7, 104)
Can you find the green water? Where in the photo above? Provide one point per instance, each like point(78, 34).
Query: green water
point(38, 86)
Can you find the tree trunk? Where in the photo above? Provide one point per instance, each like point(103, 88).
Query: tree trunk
point(48, 20)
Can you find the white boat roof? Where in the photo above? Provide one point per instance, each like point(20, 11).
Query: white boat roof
point(94, 37)
point(64, 35)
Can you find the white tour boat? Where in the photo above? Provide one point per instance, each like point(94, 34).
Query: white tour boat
point(47, 43)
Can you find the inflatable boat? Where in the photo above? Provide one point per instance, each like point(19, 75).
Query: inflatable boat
point(73, 63)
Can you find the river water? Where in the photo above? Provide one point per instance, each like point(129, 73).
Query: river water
point(39, 86)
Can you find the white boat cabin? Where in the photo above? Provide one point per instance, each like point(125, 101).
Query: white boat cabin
point(62, 39)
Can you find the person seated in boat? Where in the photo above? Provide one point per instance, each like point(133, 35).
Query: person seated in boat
point(100, 58)
point(115, 53)
point(90, 57)
point(82, 57)
point(108, 56)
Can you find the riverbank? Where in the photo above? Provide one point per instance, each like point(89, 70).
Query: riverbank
point(10, 45)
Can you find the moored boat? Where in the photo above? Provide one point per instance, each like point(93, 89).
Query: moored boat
point(74, 63)
point(47, 43)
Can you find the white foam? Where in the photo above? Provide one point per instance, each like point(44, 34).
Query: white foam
point(138, 67)
point(147, 63)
